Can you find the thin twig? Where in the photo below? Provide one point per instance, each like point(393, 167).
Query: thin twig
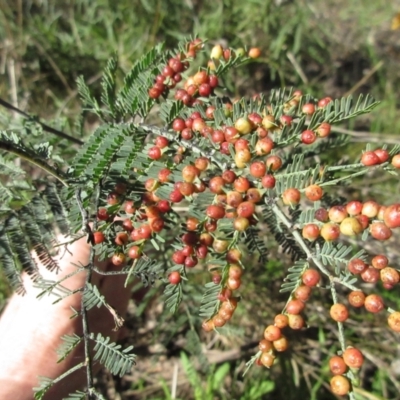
point(297, 67)
point(300, 241)
point(365, 136)
point(69, 372)
point(57, 70)
point(339, 324)
point(364, 79)
point(13, 81)
point(44, 126)
point(35, 161)
point(85, 322)
point(174, 382)
point(343, 178)
point(84, 214)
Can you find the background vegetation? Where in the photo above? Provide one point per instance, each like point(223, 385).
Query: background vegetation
point(325, 47)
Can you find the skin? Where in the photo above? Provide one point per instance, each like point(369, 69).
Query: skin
point(31, 328)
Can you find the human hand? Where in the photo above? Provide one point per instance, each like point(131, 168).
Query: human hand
point(31, 328)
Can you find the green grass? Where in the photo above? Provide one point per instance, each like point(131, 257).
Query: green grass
point(46, 47)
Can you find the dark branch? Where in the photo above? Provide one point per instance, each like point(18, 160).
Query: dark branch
point(44, 126)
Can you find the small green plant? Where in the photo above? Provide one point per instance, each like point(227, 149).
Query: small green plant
point(179, 177)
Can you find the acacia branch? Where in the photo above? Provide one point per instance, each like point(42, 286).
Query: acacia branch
point(85, 321)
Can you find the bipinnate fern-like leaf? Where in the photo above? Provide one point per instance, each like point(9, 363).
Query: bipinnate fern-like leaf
point(343, 109)
point(44, 385)
point(255, 243)
point(92, 297)
point(148, 270)
point(128, 153)
point(37, 242)
point(307, 215)
point(117, 361)
point(232, 62)
point(9, 168)
point(133, 97)
point(20, 246)
point(40, 212)
point(54, 288)
point(13, 144)
point(79, 395)
point(29, 231)
point(170, 110)
point(281, 234)
point(7, 261)
point(103, 148)
point(55, 199)
point(88, 152)
point(109, 86)
point(68, 345)
point(88, 100)
point(7, 195)
point(336, 255)
point(338, 110)
point(39, 219)
point(293, 277)
point(209, 302)
point(130, 100)
point(173, 297)
point(296, 176)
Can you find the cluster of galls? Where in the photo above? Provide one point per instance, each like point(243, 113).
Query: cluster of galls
point(219, 53)
point(339, 365)
point(200, 84)
point(309, 136)
point(377, 270)
point(171, 73)
point(237, 189)
point(350, 219)
point(291, 317)
point(339, 312)
point(196, 244)
point(275, 340)
point(237, 194)
point(379, 156)
point(228, 302)
point(264, 126)
point(137, 223)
